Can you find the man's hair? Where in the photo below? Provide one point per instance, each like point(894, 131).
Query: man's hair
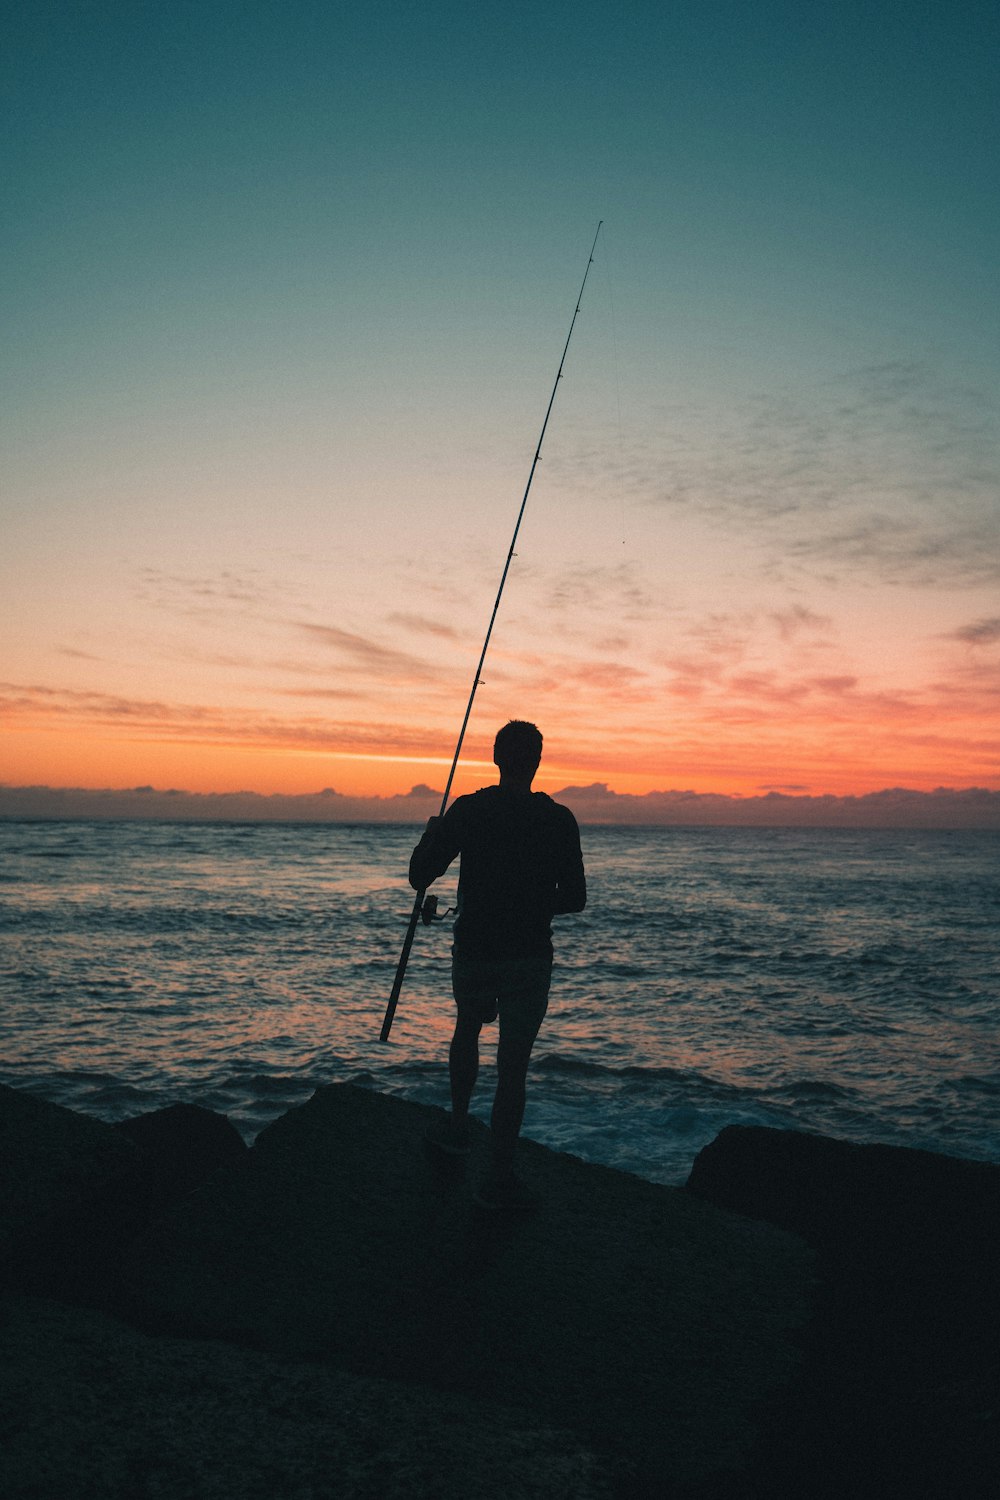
point(517, 748)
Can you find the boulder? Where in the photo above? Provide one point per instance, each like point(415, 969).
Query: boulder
point(900, 1392)
point(908, 1237)
point(183, 1146)
point(61, 1174)
point(656, 1327)
point(75, 1192)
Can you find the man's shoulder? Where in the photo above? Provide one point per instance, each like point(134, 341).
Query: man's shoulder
point(471, 806)
point(556, 812)
point(469, 801)
point(490, 801)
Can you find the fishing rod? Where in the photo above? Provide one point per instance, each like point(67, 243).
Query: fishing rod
point(418, 904)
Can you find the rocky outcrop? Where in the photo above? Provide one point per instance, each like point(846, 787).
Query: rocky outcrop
point(911, 1238)
point(901, 1393)
point(92, 1409)
point(75, 1193)
point(182, 1147)
point(328, 1314)
point(625, 1336)
point(61, 1176)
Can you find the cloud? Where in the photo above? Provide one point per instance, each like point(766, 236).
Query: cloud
point(617, 588)
point(107, 708)
point(150, 719)
point(979, 633)
point(336, 695)
point(888, 472)
point(360, 653)
point(837, 687)
point(426, 626)
point(197, 593)
point(797, 620)
point(897, 807)
point(174, 805)
point(233, 595)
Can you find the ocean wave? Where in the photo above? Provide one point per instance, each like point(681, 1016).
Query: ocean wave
point(801, 1089)
point(267, 1085)
point(556, 1062)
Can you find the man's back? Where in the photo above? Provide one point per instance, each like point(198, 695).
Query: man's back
point(521, 865)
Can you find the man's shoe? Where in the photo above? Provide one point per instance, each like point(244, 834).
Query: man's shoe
point(510, 1195)
point(442, 1135)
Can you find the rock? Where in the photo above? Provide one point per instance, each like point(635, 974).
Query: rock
point(900, 1393)
point(91, 1407)
point(183, 1146)
point(911, 1235)
point(75, 1192)
point(60, 1174)
point(655, 1327)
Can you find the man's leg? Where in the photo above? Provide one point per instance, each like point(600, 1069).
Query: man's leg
point(524, 999)
point(463, 1066)
point(508, 1105)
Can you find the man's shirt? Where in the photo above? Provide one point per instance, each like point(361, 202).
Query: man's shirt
point(521, 866)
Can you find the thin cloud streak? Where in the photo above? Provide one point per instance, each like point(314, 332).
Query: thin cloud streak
point(361, 654)
point(40, 706)
point(890, 472)
point(422, 624)
point(979, 633)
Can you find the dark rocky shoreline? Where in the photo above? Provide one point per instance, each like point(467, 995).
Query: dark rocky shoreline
point(328, 1314)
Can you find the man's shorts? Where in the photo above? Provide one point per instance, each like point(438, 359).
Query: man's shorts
point(516, 988)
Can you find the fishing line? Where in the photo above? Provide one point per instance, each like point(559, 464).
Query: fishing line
point(477, 679)
point(618, 389)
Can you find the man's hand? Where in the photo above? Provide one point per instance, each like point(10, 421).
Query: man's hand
point(432, 824)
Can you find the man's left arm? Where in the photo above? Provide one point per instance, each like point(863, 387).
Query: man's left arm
point(571, 882)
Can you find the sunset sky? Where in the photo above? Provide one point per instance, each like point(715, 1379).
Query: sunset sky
point(285, 290)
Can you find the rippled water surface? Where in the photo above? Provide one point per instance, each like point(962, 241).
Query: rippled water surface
point(833, 980)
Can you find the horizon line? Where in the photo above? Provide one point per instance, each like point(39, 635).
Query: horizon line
point(966, 807)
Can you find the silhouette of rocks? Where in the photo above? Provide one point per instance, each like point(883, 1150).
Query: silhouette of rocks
point(328, 1314)
point(60, 1174)
point(625, 1311)
point(91, 1409)
point(75, 1193)
point(182, 1147)
point(901, 1394)
point(331, 1312)
point(913, 1233)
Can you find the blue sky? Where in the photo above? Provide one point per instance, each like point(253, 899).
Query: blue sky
point(285, 288)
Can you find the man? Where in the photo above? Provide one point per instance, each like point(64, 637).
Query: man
point(521, 866)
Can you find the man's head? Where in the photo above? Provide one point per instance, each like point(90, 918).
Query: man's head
point(517, 750)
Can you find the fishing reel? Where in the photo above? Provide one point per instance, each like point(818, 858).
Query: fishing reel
point(429, 911)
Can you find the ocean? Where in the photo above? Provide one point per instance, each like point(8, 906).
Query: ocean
point(839, 981)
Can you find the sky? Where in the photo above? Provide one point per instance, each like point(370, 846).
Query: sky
point(285, 291)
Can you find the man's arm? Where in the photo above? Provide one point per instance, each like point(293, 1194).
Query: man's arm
point(436, 850)
point(571, 883)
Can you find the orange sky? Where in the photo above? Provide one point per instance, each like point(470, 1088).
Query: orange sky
point(695, 658)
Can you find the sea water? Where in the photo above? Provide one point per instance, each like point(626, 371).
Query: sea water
point(838, 981)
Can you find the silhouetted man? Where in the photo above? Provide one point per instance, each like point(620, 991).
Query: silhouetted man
point(521, 866)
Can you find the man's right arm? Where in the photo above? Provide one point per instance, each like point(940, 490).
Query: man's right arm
point(437, 848)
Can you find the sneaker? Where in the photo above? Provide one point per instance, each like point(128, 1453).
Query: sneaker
point(511, 1195)
point(442, 1135)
